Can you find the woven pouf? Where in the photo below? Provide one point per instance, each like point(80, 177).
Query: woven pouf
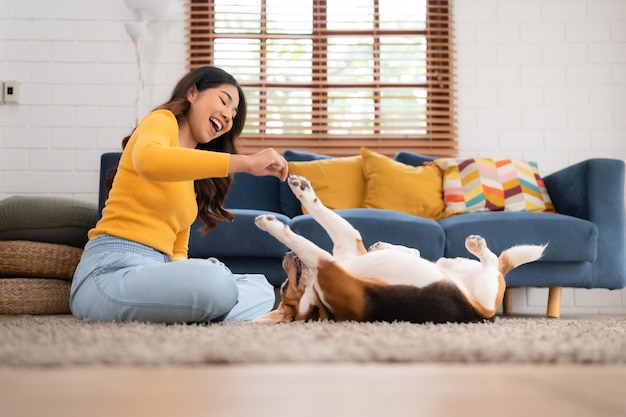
point(41, 241)
point(22, 258)
point(35, 277)
point(34, 296)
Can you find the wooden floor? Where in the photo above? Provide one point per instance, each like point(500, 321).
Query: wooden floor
point(316, 390)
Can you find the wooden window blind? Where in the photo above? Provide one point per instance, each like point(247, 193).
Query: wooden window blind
point(330, 76)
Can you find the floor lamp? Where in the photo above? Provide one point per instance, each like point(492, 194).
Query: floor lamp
point(145, 11)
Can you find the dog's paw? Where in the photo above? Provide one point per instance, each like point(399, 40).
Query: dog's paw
point(379, 246)
point(268, 222)
point(301, 188)
point(475, 244)
point(398, 248)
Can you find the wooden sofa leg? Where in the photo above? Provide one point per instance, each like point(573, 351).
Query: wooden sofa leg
point(507, 302)
point(554, 302)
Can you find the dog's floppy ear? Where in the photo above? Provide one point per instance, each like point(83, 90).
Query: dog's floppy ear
point(280, 315)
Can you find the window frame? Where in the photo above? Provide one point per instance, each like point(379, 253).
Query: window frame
point(440, 133)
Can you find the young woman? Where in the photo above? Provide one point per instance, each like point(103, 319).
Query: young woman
point(176, 165)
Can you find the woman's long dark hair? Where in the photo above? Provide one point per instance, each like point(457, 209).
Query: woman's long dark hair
point(210, 192)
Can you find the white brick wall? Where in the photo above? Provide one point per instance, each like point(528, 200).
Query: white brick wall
point(544, 80)
point(538, 79)
point(77, 70)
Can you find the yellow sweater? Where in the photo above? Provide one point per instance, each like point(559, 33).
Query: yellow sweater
point(153, 200)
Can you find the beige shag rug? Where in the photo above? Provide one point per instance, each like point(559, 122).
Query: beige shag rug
point(64, 341)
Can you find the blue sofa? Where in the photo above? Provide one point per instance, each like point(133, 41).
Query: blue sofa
point(586, 236)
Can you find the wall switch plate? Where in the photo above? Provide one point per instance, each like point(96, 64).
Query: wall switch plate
point(2, 95)
point(11, 92)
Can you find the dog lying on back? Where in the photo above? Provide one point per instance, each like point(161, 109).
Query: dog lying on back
point(387, 282)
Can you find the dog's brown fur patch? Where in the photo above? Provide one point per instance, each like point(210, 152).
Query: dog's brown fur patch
point(439, 302)
point(344, 293)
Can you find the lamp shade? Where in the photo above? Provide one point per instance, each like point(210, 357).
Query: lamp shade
point(147, 10)
point(135, 30)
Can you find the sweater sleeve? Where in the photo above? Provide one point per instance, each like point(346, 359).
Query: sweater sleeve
point(157, 155)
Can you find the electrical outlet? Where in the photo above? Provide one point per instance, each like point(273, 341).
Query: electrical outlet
point(11, 92)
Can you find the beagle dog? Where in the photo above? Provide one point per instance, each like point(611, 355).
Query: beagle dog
point(387, 282)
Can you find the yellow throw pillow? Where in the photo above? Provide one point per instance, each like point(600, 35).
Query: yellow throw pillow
point(338, 182)
point(396, 186)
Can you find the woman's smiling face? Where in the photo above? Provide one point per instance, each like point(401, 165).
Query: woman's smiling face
point(211, 113)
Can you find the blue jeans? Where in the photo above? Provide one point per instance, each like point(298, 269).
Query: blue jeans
point(121, 280)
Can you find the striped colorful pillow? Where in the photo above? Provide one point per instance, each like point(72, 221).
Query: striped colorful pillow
point(485, 184)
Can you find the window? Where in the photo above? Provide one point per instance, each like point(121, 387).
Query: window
point(331, 76)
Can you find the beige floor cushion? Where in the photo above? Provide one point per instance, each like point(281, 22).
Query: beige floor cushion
point(21, 258)
point(35, 277)
point(34, 296)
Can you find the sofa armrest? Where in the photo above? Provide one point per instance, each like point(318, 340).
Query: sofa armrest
point(591, 190)
point(594, 190)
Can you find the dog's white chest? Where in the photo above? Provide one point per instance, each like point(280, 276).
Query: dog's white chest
point(394, 268)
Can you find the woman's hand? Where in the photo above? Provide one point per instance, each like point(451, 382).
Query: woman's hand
point(265, 162)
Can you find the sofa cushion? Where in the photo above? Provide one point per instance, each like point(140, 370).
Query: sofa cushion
point(380, 225)
point(396, 186)
point(241, 237)
point(412, 158)
point(569, 239)
point(251, 192)
point(485, 184)
point(296, 155)
point(338, 182)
